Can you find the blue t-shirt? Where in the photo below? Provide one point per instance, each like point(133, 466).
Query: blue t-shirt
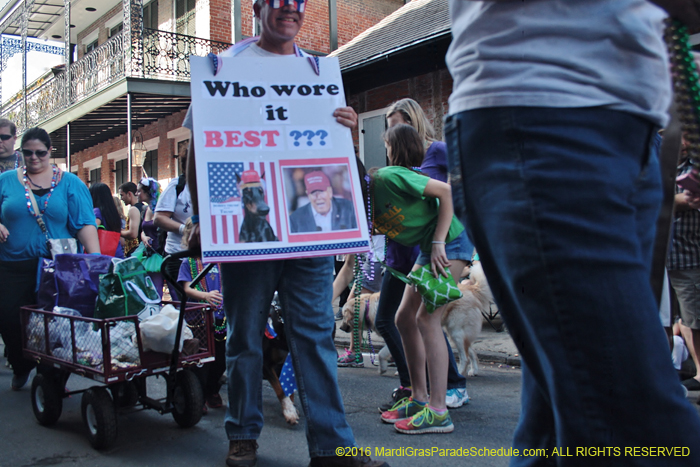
point(68, 211)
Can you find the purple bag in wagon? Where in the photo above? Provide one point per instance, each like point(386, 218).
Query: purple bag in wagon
point(71, 281)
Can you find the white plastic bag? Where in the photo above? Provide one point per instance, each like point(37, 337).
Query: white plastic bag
point(158, 331)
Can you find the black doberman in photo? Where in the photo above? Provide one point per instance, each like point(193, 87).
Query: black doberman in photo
point(255, 228)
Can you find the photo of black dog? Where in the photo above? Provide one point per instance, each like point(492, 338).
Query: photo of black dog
point(255, 228)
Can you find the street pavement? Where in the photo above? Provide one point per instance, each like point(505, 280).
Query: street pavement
point(148, 439)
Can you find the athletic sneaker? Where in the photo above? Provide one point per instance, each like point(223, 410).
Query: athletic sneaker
point(399, 394)
point(402, 410)
point(348, 360)
point(456, 397)
point(426, 421)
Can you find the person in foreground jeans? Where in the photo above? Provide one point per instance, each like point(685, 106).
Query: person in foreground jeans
point(551, 119)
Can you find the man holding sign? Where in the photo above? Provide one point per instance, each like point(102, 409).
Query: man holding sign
point(305, 288)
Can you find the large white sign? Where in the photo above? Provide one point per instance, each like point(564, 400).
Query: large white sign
point(276, 174)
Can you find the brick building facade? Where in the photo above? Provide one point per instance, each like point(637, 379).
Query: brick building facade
point(166, 136)
point(431, 90)
point(214, 20)
point(401, 56)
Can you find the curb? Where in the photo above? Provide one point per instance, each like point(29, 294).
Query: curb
point(497, 357)
point(484, 356)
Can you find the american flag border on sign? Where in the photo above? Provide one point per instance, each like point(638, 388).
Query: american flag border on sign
point(225, 226)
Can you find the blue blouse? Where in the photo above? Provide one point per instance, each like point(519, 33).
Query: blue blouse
point(68, 211)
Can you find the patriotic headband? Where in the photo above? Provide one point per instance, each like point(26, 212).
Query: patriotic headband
point(299, 4)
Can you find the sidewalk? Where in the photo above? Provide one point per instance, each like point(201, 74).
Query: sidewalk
point(491, 346)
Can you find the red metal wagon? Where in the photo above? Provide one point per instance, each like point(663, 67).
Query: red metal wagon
point(110, 351)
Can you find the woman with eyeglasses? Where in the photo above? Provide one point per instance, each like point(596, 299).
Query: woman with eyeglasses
point(64, 203)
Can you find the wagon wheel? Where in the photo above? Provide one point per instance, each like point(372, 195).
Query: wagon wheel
point(125, 394)
point(47, 399)
point(188, 399)
point(99, 417)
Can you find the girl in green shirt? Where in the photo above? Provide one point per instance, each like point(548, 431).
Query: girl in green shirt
point(413, 209)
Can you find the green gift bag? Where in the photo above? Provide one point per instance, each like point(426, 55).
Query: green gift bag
point(435, 291)
point(150, 259)
point(126, 290)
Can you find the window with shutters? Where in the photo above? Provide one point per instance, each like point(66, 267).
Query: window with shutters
point(184, 17)
point(121, 172)
point(116, 30)
point(150, 164)
point(91, 46)
point(150, 15)
point(95, 176)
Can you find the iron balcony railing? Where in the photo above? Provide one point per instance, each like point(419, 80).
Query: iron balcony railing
point(157, 54)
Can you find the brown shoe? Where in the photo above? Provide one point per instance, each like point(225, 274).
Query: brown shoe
point(346, 461)
point(242, 453)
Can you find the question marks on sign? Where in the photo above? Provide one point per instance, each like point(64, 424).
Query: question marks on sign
point(309, 135)
point(322, 134)
point(314, 138)
point(296, 135)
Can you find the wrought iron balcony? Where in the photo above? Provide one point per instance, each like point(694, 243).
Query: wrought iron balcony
point(157, 54)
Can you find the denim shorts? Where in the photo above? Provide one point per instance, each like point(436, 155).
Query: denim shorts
point(460, 248)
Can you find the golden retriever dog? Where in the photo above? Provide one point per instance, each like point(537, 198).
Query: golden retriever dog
point(461, 320)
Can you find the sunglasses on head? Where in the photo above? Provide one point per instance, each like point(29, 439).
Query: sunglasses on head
point(6, 137)
point(39, 153)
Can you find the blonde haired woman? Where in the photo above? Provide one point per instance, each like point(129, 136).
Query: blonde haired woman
point(409, 112)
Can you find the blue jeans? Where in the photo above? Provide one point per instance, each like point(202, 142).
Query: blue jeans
point(562, 206)
point(305, 289)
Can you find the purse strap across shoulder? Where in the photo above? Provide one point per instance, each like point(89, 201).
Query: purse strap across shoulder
point(39, 218)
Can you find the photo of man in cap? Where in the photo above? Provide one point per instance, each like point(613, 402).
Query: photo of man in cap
point(324, 213)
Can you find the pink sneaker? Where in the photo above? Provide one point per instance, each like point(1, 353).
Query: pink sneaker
point(402, 410)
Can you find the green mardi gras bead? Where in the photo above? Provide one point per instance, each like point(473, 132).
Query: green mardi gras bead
point(685, 77)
